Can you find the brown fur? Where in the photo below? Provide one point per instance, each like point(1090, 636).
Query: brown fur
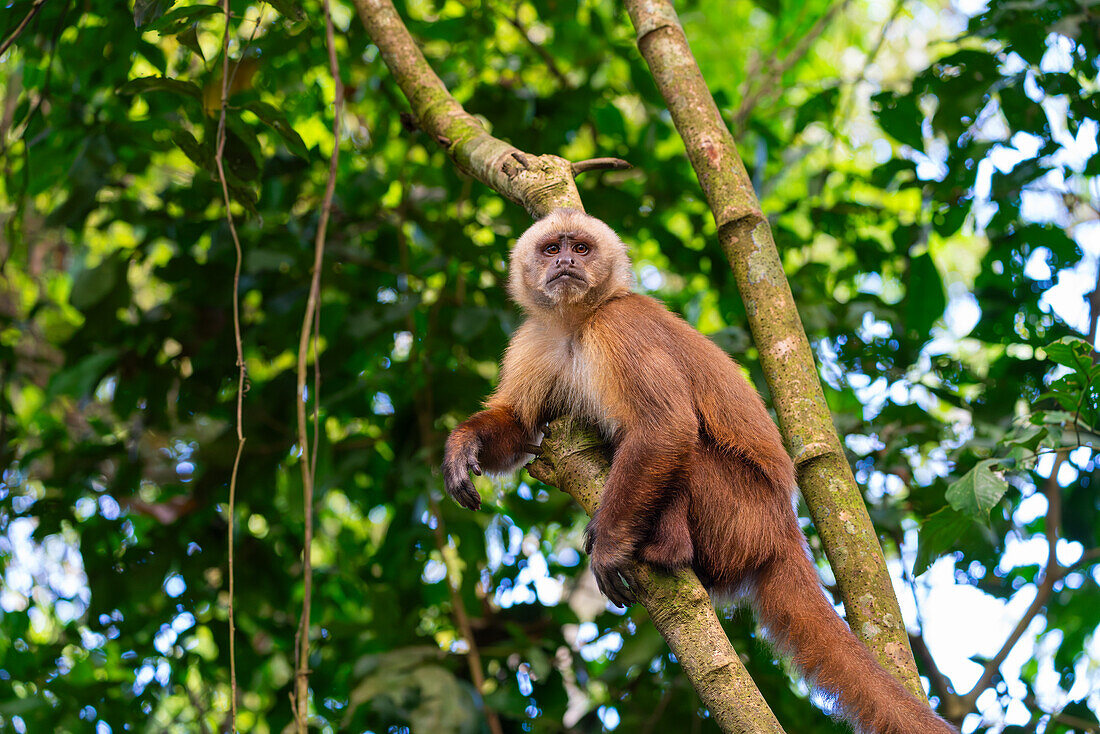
point(699, 476)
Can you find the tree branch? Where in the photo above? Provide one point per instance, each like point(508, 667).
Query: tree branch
point(1052, 573)
point(600, 164)
point(573, 459)
point(537, 183)
point(940, 684)
point(835, 501)
point(14, 35)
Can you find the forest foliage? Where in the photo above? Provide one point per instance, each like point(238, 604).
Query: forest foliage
point(931, 216)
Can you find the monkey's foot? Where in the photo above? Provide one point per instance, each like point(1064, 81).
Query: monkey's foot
point(610, 564)
point(613, 579)
point(460, 460)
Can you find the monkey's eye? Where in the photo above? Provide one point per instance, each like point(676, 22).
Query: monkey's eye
point(580, 248)
point(553, 249)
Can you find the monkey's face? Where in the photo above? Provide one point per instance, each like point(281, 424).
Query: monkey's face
point(568, 260)
point(563, 264)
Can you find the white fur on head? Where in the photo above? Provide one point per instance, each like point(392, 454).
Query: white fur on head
point(611, 269)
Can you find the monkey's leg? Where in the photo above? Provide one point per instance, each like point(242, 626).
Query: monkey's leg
point(636, 490)
point(670, 543)
point(493, 441)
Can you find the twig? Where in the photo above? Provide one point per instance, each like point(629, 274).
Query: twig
point(1075, 722)
point(600, 164)
point(771, 86)
point(309, 457)
point(22, 26)
point(941, 685)
point(539, 49)
point(1052, 573)
point(842, 109)
point(219, 162)
point(473, 655)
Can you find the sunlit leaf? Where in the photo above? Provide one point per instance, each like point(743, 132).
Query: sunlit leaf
point(278, 122)
point(978, 491)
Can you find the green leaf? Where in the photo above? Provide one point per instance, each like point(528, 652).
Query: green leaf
point(91, 285)
point(1071, 351)
point(190, 39)
point(950, 218)
point(924, 299)
point(900, 118)
point(273, 117)
point(181, 19)
point(818, 107)
point(1029, 436)
point(978, 491)
point(289, 9)
point(146, 11)
point(160, 84)
point(940, 533)
point(193, 149)
point(81, 379)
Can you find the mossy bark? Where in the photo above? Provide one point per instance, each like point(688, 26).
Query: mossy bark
point(573, 457)
point(835, 502)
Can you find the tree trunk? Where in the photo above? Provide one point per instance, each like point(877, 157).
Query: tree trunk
point(835, 501)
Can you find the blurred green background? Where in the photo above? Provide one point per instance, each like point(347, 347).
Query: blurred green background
point(930, 171)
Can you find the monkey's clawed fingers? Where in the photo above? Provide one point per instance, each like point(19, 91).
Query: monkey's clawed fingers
point(456, 477)
point(611, 579)
point(610, 567)
point(533, 449)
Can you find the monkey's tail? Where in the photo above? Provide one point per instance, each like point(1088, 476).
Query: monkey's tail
point(791, 604)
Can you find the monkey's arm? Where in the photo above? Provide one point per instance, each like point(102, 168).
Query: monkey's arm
point(493, 440)
point(497, 439)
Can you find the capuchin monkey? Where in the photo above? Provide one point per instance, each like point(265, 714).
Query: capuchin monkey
point(699, 477)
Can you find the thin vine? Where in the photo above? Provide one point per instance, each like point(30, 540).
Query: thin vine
point(219, 162)
point(310, 329)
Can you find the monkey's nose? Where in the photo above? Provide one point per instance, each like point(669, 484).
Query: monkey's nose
point(566, 260)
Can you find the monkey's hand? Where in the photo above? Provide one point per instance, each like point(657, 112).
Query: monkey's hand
point(610, 561)
point(459, 460)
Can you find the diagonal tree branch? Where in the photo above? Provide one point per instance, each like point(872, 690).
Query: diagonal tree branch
point(537, 183)
point(835, 501)
point(573, 459)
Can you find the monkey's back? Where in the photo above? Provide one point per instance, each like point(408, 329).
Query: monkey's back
point(729, 411)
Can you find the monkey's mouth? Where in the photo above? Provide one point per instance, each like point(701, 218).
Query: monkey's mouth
point(567, 274)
